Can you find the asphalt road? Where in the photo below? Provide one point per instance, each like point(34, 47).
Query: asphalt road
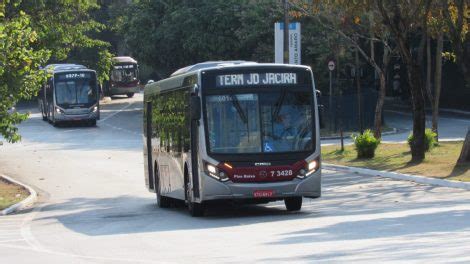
point(94, 208)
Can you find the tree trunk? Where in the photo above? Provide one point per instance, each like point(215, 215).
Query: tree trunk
point(395, 22)
point(381, 97)
point(437, 85)
point(465, 63)
point(379, 106)
point(428, 70)
point(419, 115)
point(465, 153)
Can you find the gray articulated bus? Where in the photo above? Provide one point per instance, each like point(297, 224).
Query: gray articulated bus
point(236, 131)
point(70, 93)
point(123, 79)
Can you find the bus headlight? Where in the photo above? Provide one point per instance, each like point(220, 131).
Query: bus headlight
point(215, 172)
point(312, 165)
point(59, 111)
point(211, 168)
point(95, 108)
point(310, 168)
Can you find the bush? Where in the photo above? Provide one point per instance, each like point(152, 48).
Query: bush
point(429, 139)
point(365, 144)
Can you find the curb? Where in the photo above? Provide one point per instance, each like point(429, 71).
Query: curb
point(394, 131)
point(30, 200)
point(400, 176)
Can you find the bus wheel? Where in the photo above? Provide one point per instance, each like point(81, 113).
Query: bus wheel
point(195, 209)
point(293, 203)
point(130, 95)
point(162, 201)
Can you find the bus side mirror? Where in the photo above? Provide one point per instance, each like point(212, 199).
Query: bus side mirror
point(195, 108)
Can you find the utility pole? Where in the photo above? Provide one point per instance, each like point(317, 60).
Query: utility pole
point(286, 30)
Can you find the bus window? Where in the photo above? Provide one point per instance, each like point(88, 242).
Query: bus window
point(75, 91)
point(287, 121)
point(233, 123)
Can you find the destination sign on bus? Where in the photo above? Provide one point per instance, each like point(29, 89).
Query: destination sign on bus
point(248, 79)
point(74, 75)
point(118, 67)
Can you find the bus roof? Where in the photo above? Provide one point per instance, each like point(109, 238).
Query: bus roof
point(65, 67)
point(209, 64)
point(124, 59)
point(177, 79)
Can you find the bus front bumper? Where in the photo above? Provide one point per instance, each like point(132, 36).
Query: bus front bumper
point(75, 117)
point(212, 189)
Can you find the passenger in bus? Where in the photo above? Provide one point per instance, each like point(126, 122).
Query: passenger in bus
point(84, 92)
point(284, 126)
point(285, 131)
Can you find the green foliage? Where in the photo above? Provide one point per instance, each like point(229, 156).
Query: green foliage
point(34, 33)
point(69, 31)
point(20, 77)
point(365, 144)
point(172, 34)
point(429, 139)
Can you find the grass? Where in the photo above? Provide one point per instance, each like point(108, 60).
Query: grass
point(11, 194)
point(440, 162)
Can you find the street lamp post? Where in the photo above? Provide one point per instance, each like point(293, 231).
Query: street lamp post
point(286, 30)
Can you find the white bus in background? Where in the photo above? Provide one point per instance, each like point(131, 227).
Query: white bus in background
point(70, 93)
point(123, 78)
point(234, 131)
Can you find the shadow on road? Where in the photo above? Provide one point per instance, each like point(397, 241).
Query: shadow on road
point(379, 210)
point(126, 214)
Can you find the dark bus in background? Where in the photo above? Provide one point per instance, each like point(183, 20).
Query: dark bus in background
point(70, 93)
point(123, 79)
point(244, 132)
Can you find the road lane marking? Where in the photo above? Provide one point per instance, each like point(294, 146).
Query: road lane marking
point(117, 112)
point(25, 229)
point(12, 240)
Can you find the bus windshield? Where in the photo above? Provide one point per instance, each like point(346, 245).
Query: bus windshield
point(124, 73)
point(260, 122)
point(75, 89)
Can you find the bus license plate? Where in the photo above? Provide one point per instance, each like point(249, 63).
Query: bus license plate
point(263, 193)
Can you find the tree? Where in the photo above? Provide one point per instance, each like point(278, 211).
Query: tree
point(357, 24)
point(171, 34)
point(20, 76)
point(457, 19)
point(35, 32)
point(67, 29)
point(436, 30)
point(405, 19)
point(465, 153)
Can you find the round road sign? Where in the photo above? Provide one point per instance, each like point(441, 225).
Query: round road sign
point(331, 65)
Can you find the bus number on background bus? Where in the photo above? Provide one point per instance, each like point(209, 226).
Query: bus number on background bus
point(75, 75)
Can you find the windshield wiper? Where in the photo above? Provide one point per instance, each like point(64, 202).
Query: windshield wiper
point(279, 103)
point(239, 108)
